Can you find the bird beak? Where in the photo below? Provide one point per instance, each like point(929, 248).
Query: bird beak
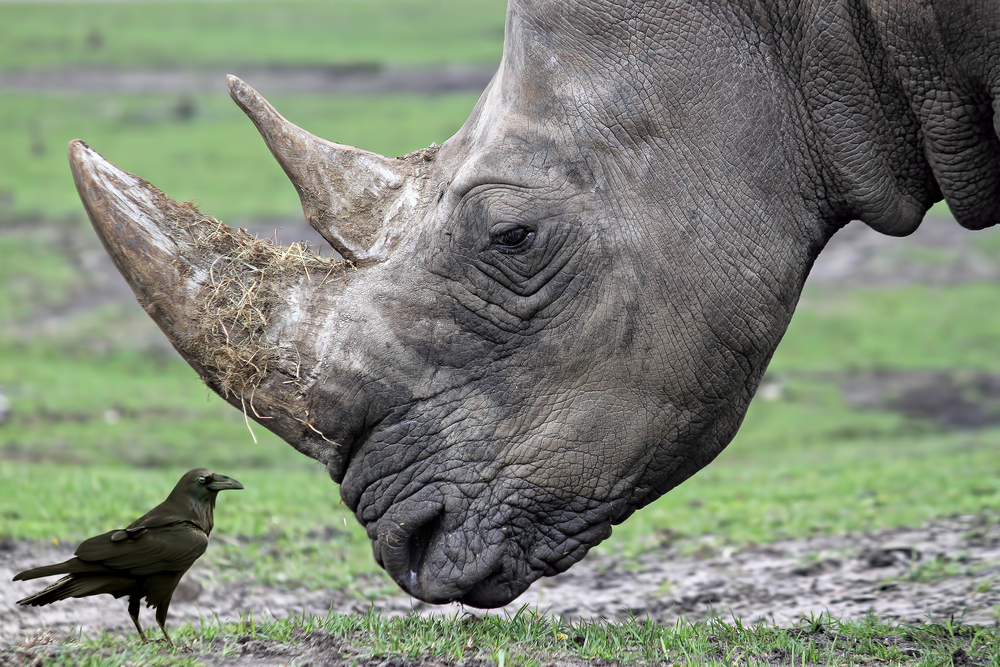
point(221, 483)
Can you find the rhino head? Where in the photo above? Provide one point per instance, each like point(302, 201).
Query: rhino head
point(563, 311)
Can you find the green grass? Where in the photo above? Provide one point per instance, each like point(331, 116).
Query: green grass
point(754, 494)
point(33, 270)
point(128, 408)
point(914, 327)
point(215, 158)
point(531, 639)
point(158, 34)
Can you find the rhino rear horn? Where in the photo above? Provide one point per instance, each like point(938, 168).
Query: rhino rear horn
point(359, 201)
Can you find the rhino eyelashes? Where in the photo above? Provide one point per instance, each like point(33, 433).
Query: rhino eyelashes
point(514, 240)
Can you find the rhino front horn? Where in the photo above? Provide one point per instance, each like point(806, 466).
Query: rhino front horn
point(242, 311)
point(359, 201)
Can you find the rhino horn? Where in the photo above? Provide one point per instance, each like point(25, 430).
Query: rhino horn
point(233, 305)
point(359, 201)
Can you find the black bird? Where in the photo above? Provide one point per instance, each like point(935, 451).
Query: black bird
point(148, 558)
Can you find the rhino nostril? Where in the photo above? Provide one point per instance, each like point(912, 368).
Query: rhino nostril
point(403, 538)
point(418, 543)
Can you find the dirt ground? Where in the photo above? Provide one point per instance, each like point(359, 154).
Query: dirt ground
point(948, 568)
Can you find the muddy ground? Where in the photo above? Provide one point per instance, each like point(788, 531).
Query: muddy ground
point(946, 569)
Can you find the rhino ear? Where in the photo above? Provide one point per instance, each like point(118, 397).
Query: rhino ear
point(358, 201)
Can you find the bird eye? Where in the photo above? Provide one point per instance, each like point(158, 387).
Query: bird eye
point(513, 239)
point(202, 480)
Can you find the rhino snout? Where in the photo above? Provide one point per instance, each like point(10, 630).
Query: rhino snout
point(434, 561)
point(484, 555)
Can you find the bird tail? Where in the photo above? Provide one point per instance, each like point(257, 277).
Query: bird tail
point(75, 586)
point(45, 571)
point(70, 566)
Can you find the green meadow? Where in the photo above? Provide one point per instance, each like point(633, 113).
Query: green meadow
point(214, 157)
point(39, 35)
point(111, 421)
point(532, 639)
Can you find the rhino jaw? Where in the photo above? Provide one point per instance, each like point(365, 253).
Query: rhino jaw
point(417, 541)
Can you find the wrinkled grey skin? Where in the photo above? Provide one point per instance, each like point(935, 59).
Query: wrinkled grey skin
point(491, 400)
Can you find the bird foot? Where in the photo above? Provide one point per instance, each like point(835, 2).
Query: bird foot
point(169, 643)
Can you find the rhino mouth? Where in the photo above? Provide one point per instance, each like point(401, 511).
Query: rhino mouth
point(488, 577)
point(414, 546)
point(444, 544)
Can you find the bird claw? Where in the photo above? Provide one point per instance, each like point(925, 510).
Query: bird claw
point(170, 644)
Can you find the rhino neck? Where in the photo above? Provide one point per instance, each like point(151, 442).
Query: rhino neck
point(888, 105)
point(897, 98)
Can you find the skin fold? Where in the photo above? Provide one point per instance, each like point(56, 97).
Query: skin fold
point(564, 311)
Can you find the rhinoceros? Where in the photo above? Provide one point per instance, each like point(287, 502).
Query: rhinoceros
point(562, 312)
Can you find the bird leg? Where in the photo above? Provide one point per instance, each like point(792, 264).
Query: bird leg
point(133, 611)
point(161, 618)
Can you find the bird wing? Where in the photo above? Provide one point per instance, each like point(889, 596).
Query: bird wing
point(165, 548)
point(163, 514)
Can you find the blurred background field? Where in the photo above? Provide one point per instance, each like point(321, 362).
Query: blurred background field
point(880, 408)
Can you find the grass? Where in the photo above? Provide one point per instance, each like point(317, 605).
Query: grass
point(127, 408)
point(531, 639)
point(914, 327)
point(214, 157)
point(34, 270)
point(163, 34)
point(754, 495)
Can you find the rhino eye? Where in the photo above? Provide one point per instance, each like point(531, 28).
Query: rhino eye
point(514, 239)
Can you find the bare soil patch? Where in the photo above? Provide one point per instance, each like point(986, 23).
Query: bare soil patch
point(946, 569)
point(957, 399)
